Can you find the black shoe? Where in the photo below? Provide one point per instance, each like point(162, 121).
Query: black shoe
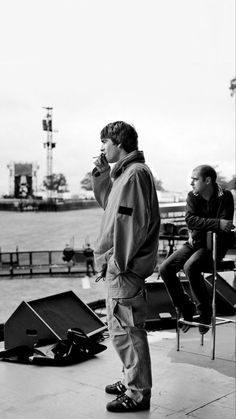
point(205, 319)
point(124, 403)
point(116, 388)
point(188, 311)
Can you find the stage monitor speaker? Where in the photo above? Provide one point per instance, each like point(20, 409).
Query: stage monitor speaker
point(225, 295)
point(161, 312)
point(48, 319)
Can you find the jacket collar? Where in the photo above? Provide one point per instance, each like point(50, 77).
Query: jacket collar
point(217, 192)
point(135, 156)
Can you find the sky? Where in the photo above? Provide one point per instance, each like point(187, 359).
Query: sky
point(162, 65)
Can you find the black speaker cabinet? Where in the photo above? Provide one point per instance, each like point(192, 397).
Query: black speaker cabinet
point(161, 312)
point(47, 320)
point(225, 295)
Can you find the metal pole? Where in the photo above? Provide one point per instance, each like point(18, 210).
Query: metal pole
point(213, 321)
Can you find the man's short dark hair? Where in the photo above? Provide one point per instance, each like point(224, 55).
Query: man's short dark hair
point(121, 133)
point(207, 171)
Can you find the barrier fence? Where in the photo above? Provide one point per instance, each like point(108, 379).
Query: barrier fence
point(40, 262)
point(50, 262)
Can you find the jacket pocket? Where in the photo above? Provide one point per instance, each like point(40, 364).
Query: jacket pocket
point(131, 312)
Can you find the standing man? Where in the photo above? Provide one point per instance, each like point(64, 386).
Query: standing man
point(126, 254)
point(89, 255)
point(209, 208)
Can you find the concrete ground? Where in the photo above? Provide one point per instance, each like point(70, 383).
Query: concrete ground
point(186, 384)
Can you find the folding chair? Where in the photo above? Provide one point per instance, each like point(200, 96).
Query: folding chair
point(224, 265)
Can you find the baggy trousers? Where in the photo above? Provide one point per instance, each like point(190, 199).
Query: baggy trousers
point(126, 323)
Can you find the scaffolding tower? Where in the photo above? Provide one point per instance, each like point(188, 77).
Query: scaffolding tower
point(49, 145)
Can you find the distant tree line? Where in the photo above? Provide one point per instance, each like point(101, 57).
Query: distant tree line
point(226, 184)
point(57, 182)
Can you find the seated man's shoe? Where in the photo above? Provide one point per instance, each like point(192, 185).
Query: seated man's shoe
point(188, 311)
point(117, 388)
point(204, 319)
point(124, 403)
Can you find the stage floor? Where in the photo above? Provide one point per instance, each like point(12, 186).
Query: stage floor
point(186, 384)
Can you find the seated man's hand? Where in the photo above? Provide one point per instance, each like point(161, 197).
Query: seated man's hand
point(226, 225)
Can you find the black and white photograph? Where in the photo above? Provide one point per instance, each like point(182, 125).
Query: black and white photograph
point(117, 209)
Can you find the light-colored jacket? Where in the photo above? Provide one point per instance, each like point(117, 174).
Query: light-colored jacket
point(128, 239)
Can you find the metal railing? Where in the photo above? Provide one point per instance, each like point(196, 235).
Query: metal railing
point(50, 262)
point(40, 262)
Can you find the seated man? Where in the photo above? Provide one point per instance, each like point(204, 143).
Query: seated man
point(209, 208)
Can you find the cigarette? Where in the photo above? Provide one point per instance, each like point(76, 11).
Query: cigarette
point(100, 155)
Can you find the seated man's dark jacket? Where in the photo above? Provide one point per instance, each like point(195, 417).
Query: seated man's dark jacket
point(203, 216)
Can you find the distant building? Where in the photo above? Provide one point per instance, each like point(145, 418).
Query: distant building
point(23, 179)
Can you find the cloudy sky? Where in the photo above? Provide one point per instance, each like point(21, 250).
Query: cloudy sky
point(163, 65)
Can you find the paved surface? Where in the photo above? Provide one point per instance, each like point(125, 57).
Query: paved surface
point(186, 384)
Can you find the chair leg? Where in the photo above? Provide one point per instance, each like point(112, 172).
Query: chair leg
point(213, 319)
point(213, 331)
point(177, 330)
